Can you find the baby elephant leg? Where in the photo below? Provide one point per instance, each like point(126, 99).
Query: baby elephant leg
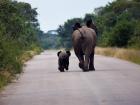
point(61, 68)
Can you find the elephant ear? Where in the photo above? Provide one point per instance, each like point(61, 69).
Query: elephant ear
point(76, 26)
point(58, 53)
point(68, 52)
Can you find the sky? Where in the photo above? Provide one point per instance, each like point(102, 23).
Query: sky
point(52, 13)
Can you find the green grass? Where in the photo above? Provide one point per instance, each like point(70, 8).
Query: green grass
point(126, 54)
point(7, 76)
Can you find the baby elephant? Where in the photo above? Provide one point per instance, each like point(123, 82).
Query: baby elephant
point(63, 60)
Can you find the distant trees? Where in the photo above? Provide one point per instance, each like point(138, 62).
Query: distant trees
point(50, 40)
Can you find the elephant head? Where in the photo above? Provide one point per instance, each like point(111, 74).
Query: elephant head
point(90, 24)
point(76, 26)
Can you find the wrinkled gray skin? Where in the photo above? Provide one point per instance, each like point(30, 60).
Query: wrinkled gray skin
point(63, 60)
point(84, 41)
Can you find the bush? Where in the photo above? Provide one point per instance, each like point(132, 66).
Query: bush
point(119, 35)
point(134, 42)
point(18, 34)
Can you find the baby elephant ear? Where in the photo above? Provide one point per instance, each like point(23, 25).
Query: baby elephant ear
point(68, 52)
point(58, 53)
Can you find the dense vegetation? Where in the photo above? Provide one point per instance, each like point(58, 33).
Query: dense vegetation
point(118, 25)
point(19, 30)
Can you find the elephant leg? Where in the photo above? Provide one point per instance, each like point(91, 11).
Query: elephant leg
point(80, 57)
point(81, 61)
point(91, 64)
point(86, 63)
point(61, 69)
point(67, 65)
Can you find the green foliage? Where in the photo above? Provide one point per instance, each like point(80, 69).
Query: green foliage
point(18, 34)
point(9, 56)
point(119, 35)
point(134, 42)
point(118, 24)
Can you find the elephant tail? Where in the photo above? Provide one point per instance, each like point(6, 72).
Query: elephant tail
point(82, 35)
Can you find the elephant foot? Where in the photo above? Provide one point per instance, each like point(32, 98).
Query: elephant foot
point(81, 65)
point(85, 69)
point(91, 68)
point(61, 69)
point(67, 68)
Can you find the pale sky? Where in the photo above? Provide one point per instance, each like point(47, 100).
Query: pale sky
point(53, 13)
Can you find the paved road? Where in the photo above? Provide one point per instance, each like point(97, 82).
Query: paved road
point(115, 82)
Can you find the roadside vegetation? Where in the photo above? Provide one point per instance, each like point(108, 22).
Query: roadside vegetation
point(132, 55)
point(19, 30)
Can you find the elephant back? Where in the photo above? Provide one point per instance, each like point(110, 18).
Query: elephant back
point(88, 40)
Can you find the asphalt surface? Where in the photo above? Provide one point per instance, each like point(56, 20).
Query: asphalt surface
point(115, 82)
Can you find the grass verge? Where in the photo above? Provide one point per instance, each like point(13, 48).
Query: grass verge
point(126, 54)
point(6, 76)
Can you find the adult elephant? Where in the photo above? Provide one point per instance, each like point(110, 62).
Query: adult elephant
point(84, 41)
